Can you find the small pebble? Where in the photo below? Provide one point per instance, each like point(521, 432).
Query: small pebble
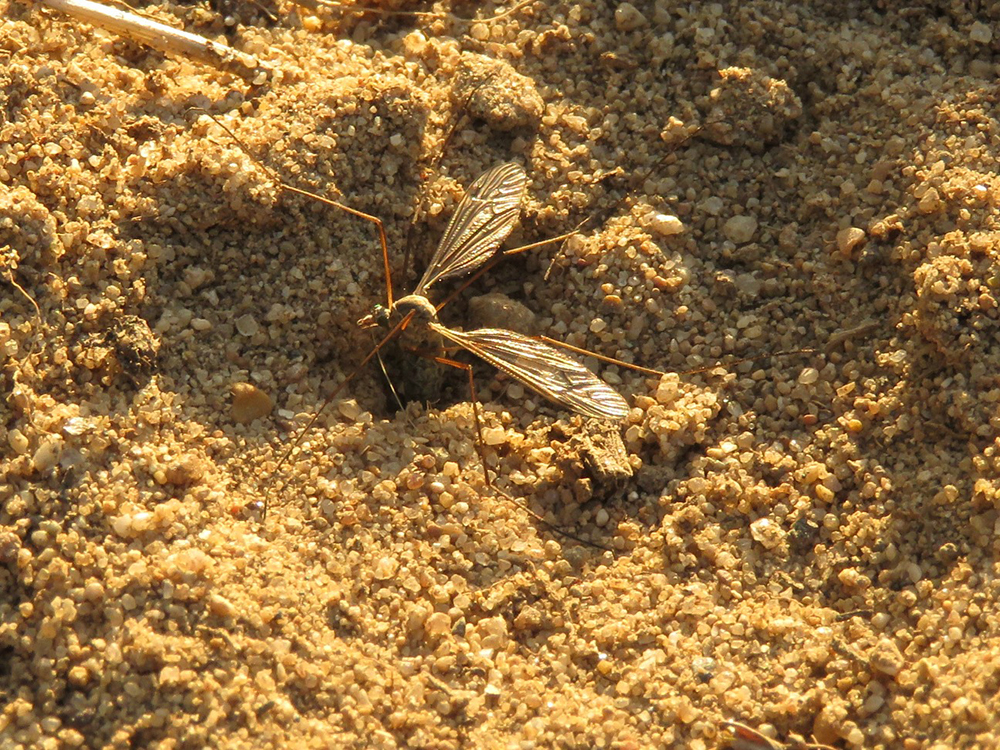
point(496, 93)
point(94, 591)
point(221, 606)
point(493, 632)
point(808, 376)
point(76, 426)
point(740, 229)
point(79, 676)
point(628, 18)
point(436, 625)
point(980, 33)
point(930, 202)
point(122, 525)
point(47, 454)
point(141, 521)
point(187, 471)
point(191, 561)
point(494, 435)
point(17, 441)
point(848, 239)
point(386, 568)
point(349, 409)
point(665, 225)
point(824, 494)
point(249, 403)
point(886, 658)
point(766, 533)
point(529, 618)
point(667, 389)
point(247, 325)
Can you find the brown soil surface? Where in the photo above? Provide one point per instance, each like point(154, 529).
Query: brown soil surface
point(805, 543)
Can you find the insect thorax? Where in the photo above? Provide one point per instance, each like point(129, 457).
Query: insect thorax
point(418, 304)
point(415, 378)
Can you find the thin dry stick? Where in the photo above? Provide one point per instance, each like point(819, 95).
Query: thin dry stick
point(8, 262)
point(162, 37)
point(345, 8)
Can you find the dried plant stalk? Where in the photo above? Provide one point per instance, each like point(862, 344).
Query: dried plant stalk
point(163, 37)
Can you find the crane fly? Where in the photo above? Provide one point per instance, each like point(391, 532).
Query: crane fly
point(485, 216)
point(483, 220)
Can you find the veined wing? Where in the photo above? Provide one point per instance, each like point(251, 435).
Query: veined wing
point(483, 219)
point(545, 369)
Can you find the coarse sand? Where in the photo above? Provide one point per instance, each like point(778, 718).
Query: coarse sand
point(804, 543)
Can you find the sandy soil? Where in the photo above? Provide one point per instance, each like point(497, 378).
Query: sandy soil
point(806, 544)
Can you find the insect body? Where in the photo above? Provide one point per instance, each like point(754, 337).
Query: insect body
point(484, 218)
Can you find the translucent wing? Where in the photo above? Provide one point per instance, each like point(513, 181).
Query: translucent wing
point(483, 219)
point(555, 375)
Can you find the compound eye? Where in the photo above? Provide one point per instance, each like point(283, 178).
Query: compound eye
point(381, 315)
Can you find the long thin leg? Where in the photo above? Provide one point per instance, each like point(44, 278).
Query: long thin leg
point(481, 450)
point(362, 215)
point(336, 392)
point(496, 259)
point(327, 201)
point(601, 357)
point(480, 445)
point(650, 371)
point(436, 162)
point(388, 380)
